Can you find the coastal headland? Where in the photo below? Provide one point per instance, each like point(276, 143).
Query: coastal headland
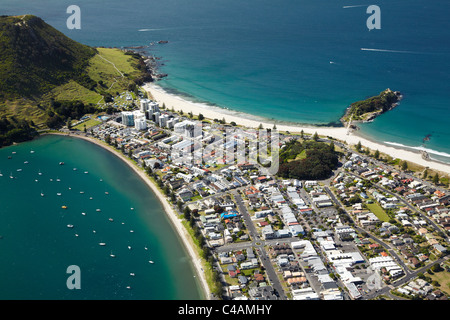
point(340, 133)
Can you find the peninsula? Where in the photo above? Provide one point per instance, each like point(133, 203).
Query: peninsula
point(367, 110)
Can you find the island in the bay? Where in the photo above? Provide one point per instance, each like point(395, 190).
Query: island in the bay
point(337, 221)
point(367, 110)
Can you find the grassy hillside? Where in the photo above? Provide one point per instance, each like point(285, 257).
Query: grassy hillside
point(36, 57)
point(45, 77)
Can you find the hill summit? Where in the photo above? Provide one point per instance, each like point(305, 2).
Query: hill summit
point(36, 57)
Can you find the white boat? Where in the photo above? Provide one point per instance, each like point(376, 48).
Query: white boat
point(70, 226)
point(112, 255)
point(58, 194)
point(61, 163)
point(145, 248)
point(32, 151)
point(98, 210)
point(42, 194)
point(40, 173)
point(132, 274)
point(1, 174)
point(86, 172)
point(132, 208)
point(74, 169)
point(26, 162)
point(76, 234)
point(128, 287)
point(57, 179)
point(11, 176)
point(94, 231)
point(106, 192)
point(83, 213)
point(102, 244)
point(81, 192)
point(111, 219)
point(150, 261)
point(129, 247)
point(131, 231)
point(18, 170)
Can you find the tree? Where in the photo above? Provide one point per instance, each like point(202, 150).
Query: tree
point(200, 117)
point(425, 174)
point(260, 126)
point(274, 127)
point(69, 123)
point(404, 165)
point(436, 179)
point(376, 154)
point(315, 136)
point(302, 134)
point(358, 146)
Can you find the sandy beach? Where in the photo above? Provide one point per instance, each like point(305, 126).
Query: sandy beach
point(176, 221)
point(178, 103)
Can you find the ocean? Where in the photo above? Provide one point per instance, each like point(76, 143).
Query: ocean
point(299, 61)
point(106, 202)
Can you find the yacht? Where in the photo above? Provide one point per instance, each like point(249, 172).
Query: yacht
point(32, 151)
point(70, 226)
point(40, 173)
point(102, 244)
point(112, 255)
point(83, 213)
point(42, 194)
point(132, 274)
point(129, 247)
point(58, 194)
point(131, 231)
point(61, 163)
point(98, 210)
point(111, 219)
point(150, 261)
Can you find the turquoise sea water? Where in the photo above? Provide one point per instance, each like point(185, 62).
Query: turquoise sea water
point(298, 61)
point(37, 246)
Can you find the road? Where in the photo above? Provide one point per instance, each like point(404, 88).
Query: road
point(258, 244)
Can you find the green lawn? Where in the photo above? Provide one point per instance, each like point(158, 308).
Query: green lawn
point(378, 211)
point(89, 123)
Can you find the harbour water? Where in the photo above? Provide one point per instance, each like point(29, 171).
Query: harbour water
point(106, 202)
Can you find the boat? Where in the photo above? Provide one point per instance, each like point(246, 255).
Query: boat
point(76, 234)
point(83, 213)
point(18, 170)
point(86, 172)
point(42, 194)
point(90, 198)
point(106, 192)
point(132, 208)
point(81, 192)
point(32, 151)
point(1, 174)
point(58, 194)
point(39, 172)
point(26, 162)
point(70, 226)
point(150, 261)
point(11, 176)
point(64, 207)
point(93, 231)
point(98, 210)
point(131, 231)
point(61, 163)
point(128, 287)
point(129, 247)
point(145, 248)
point(102, 244)
point(111, 219)
point(74, 169)
point(132, 274)
point(57, 179)
point(112, 255)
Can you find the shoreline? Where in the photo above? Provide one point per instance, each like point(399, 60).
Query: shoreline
point(174, 219)
point(251, 121)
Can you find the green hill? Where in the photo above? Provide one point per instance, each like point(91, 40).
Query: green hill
point(46, 77)
point(36, 57)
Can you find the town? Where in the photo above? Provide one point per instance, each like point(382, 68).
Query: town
point(370, 231)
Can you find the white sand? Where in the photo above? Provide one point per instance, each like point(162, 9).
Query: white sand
point(176, 221)
point(251, 121)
